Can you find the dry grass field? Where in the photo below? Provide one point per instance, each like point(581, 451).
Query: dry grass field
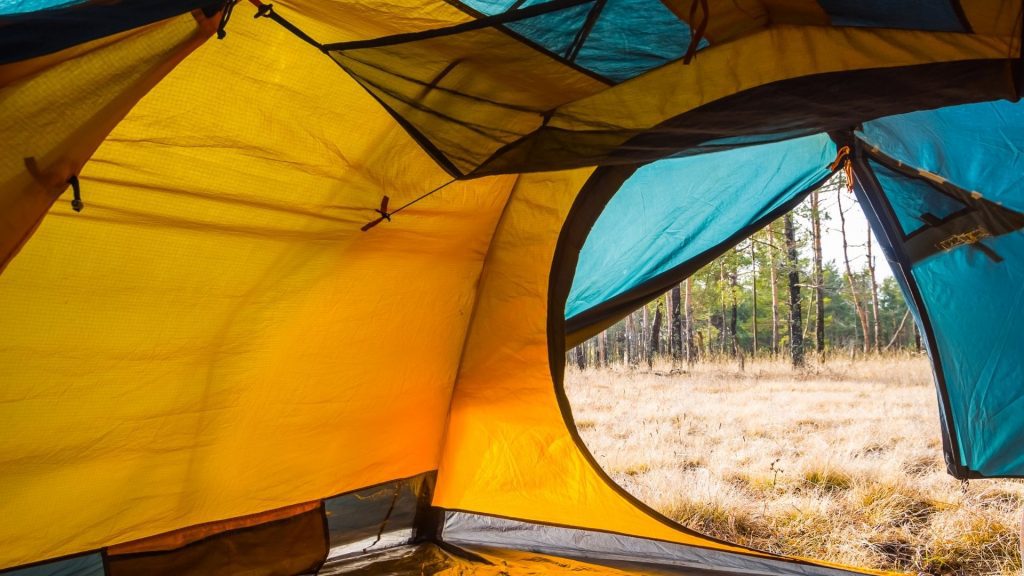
point(841, 462)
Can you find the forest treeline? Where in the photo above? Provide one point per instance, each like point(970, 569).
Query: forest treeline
point(771, 295)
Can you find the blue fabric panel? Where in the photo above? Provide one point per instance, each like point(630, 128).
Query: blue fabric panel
point(911, 198)
point(489, 7)
point(629, 37)
point(26, 6)
point(939, 15)
point(24, 36)
point(634, 36)
point(978, 147)
point(554, 30)
point(85, 565)
point(492, 7)
point(977, 310)
point(673, 210)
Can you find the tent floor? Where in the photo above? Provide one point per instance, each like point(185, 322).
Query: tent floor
point(429, 558)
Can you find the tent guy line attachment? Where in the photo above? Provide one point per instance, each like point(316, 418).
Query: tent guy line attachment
point(76, 190)
point(843, 161)
point(229, 5)
point(53, 182)
point(383, 210)
point(384, 215)
point(267, 11)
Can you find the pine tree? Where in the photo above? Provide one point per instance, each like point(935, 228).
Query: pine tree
point(796, 343)
point(819, 281)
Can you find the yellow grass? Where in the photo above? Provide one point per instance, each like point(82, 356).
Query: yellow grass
point(841, 462)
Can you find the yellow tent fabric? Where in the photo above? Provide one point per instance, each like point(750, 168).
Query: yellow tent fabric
point(56, 139)
point(507, 449)
point(215, 337)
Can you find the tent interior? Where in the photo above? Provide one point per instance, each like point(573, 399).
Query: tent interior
point(287, 289)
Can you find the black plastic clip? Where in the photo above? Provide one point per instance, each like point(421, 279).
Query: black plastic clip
point(225, 16)
point(384, 215)
point(76, 189)
point(264, 10)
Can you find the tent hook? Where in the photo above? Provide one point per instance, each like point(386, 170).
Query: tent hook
point(229, 5)
point(76, 189)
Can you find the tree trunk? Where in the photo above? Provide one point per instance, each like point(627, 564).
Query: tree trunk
point(753, 288)
point(602, 349)
point(899, 329)
point(667, 348)
point(819, 277)
point(581, 358)
point(861, 314)
point(654, 348)
point(775, 290)
point(621, 344)
point(691, 348)
point(709, 342)
point(874, 294)
point(734, 313)
point(632, 342)
point(645, 329)
point(807, 324)
point(723, 336)
point(796, 337)
point(675, 314)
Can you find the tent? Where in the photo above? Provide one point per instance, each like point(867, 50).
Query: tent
point(291, 294)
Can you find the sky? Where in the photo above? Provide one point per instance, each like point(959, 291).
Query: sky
point(856, 233)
